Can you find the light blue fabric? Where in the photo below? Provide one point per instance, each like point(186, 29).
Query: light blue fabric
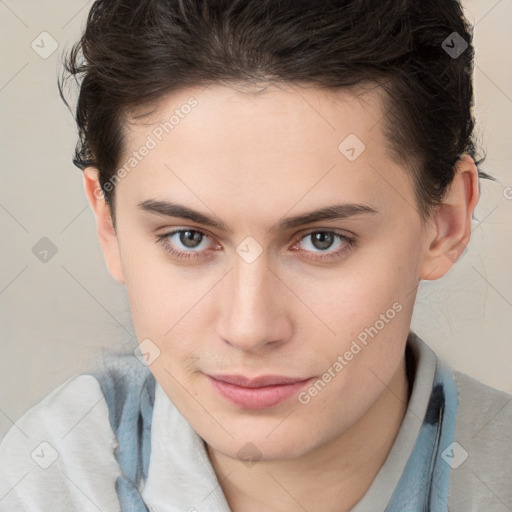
point(425, 482)
point(129, 389)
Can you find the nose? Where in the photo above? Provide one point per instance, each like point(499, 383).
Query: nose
point(254, 314)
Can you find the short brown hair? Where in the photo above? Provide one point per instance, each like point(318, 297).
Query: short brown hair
point(133, 52)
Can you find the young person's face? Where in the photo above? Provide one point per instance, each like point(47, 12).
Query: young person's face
point(256, 298)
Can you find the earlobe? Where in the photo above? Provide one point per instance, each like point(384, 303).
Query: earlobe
point(452, 221)
point(105, 228)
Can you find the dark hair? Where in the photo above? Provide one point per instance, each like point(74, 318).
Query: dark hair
point(133, 52)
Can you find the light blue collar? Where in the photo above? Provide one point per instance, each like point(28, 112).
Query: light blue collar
point(424, 484)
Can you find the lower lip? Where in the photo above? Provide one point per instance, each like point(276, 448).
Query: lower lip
point(257, 398)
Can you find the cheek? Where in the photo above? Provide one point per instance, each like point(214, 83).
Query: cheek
point(354, 295)
point(158, 294)
point(370, 316)
point(165, 302)
point(367, 305)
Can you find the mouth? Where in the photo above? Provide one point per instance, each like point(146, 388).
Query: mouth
point(257, 393)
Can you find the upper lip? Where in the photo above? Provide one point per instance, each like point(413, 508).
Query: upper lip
point(257, 382)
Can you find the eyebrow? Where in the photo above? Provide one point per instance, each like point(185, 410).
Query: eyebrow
point(332, 212)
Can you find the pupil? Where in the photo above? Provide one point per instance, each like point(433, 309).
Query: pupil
point(324, 240)
point(189, 237)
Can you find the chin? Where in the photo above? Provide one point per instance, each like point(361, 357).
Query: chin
point(258, 446)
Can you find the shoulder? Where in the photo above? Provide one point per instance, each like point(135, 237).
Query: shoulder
point(60, 454)
point(485, 413)
point(481, 476)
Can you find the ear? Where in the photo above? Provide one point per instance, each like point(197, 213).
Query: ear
point(452, 221)
point(105, 227)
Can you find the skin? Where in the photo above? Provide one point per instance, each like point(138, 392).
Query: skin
point(252, 159)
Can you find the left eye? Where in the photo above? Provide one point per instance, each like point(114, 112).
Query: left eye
point(192, 239)
point(321, 240)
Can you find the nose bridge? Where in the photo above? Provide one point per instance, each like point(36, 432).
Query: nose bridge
point(250, 282)
point(252, 313)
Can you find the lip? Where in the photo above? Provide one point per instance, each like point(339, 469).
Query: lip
point(257, 393)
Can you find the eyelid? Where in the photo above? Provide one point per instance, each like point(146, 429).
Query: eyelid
point(336, 231)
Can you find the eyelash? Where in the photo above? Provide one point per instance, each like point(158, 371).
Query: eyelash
point(349, 243)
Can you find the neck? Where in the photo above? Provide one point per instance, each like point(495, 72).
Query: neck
point(331, 478)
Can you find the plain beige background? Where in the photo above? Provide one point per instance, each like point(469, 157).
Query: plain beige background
point(56, 316)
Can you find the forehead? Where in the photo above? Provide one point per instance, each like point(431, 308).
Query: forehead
point(262, 112)
point(277, 143)
point(276, 116)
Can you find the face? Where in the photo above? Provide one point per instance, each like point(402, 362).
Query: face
point(262, 288)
